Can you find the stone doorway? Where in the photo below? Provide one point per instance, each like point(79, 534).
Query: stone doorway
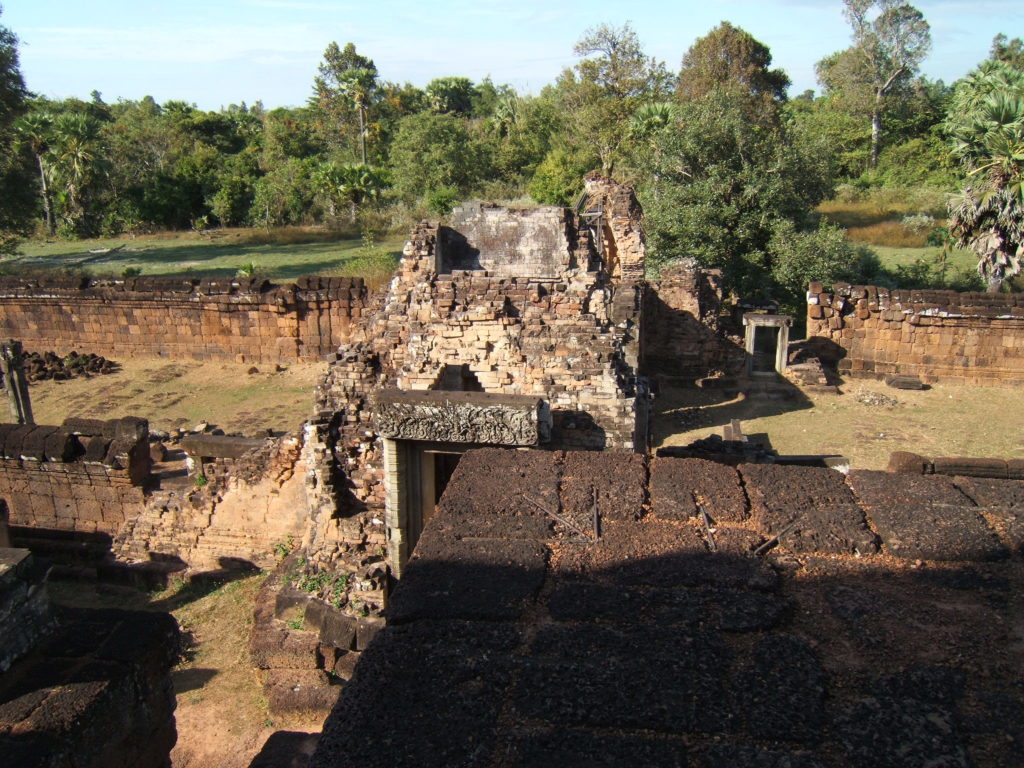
point(425, 433)
point(767, 343)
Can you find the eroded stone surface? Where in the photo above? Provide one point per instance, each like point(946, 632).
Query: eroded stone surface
point(647, 643)
point(925, 517)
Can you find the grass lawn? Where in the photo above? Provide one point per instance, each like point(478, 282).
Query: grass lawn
point(279, 254)
point(944, 420)
point(891, 257)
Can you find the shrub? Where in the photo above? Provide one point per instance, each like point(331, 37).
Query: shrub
point(918, 223)
point(442, 201)
point(823, 255)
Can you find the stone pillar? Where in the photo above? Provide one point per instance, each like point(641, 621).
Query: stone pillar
point(15, 382)
point(395, 507)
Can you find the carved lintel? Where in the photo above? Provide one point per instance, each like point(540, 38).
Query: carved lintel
point(461, 417)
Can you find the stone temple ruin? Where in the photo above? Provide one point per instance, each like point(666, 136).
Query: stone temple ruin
point(484, 547)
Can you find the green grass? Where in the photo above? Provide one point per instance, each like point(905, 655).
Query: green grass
point(277, 255)
point(892, 257)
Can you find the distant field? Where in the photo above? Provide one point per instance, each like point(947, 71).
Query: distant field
point(879, 224)
point(896, 257)
point(278, 254)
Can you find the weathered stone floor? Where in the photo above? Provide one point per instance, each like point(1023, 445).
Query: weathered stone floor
point(882, 630)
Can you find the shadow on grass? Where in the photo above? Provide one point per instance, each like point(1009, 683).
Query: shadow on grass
point(275, 261)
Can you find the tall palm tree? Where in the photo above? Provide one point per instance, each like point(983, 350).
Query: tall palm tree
point(986, 122)
point(76, 160)
point(35, 131)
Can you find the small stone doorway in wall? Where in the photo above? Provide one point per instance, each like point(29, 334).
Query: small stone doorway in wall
point(767, 343)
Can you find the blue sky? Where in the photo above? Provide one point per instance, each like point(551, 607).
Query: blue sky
point(217, 52)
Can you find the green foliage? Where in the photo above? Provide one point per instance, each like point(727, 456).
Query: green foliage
point(718, 185)
point(284, 195)
point(920, 162)
point(823, 255)
point(1008, 51)
point(558, 180)
point(345, 91)
point(441, 201)
point(890, 38)
point(16, 206)
point(283, 548)
point(729, 57)
point(201, 481)
point(434, 151)
point(451, 95)
point(986, 123)
point(936, 272)
point(348, 185)
point(600, 95)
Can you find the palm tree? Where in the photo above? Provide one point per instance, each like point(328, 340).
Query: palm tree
point(986, 122)
point(76, 160)
point(35, 131)
point(349, 184)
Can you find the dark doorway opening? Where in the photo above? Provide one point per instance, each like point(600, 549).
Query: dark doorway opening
point(436, 468)
point(766, 348)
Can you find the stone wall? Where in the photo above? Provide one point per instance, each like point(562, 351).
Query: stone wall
point(711, 617)
point(244, 320)
point(507, 242)
point(25, 616)
point(568, 337)
point(683, 332)
point(64, 479)
point(975, 338)
point(82, 687)
point(237, 519)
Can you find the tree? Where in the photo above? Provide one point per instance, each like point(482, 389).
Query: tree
point(35, 131)
point(345, 184)
point(432, 151)
point(890, 38)
point(729, 57)
point(602, 92)
point(77, 161)
point(1008, 51)
point(986, 125)
point(346, 82)
point(717, 186)
point(451, 94)
point(14, 203)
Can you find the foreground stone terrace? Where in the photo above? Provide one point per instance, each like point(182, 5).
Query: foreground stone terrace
point(881, 630)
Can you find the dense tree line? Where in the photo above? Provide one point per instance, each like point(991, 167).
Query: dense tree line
point(728, 167)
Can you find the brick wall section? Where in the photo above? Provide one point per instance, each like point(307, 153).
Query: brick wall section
point(572, 338)
point(571, 341)
point(249, 505)
point(975, 338)
point(510, 242)
point(86, 484)
point(682, 330)
point(208, 319)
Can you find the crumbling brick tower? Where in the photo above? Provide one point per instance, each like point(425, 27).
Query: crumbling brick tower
point(532, 314)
